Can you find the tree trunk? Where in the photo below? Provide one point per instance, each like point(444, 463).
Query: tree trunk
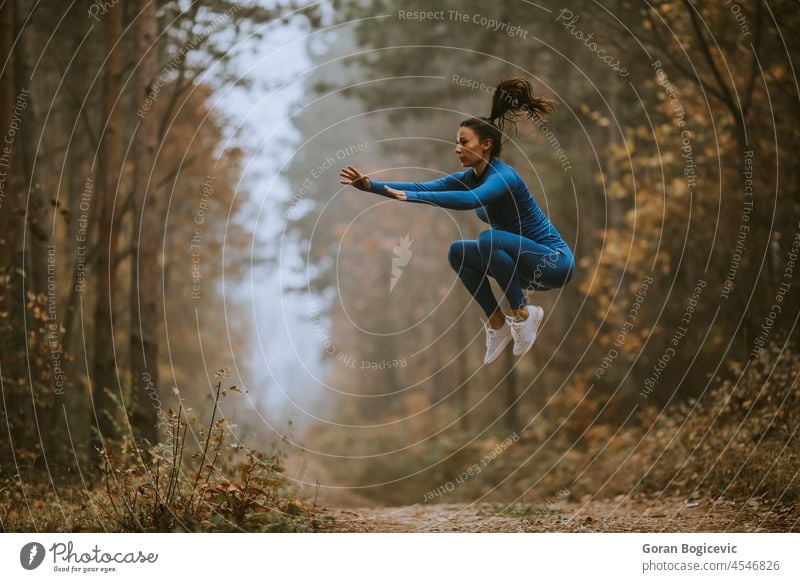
point(11, 324)
point(8, 183)
point(108, 173)
point(144, 291)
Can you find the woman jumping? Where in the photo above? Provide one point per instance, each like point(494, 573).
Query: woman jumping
point(521, 248)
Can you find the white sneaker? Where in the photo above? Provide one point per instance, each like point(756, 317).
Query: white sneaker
point(524, 332)
point(496, 341)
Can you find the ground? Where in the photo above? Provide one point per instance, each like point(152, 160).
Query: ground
point(623, 514)
point(637, 512)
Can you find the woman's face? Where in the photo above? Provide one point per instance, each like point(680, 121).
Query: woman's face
point(469, 149)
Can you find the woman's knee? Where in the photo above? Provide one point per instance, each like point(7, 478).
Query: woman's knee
point(486, 243)
point(457, 254)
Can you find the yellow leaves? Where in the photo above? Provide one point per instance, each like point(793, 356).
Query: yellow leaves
point(776, 71)
point(735, 367)
point(621, 152)
point(665, 8)
point(593, 115)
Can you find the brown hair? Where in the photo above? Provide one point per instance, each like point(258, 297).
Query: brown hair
point(512, 98)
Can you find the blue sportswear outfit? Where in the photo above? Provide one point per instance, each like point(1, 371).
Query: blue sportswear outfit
point(521, 248)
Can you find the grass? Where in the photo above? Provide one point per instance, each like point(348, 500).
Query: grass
point(220, 488)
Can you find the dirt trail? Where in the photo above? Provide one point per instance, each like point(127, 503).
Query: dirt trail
point(304, 471)
point(623, 514)
point(638, 512)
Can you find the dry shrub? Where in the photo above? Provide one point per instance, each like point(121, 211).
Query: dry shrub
point(739, 439)
point(221, 487)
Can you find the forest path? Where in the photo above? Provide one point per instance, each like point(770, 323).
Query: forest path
point(639, 513)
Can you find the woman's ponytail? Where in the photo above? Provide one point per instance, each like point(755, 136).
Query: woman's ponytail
point(512, 99)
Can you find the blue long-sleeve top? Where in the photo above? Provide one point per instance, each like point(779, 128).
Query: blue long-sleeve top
point(499, 197)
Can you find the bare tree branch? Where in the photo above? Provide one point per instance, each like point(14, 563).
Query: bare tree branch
point(728, 98)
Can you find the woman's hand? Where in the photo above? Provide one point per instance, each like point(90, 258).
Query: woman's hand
point(350, 176)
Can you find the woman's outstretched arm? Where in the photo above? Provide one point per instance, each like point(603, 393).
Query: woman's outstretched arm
point(450, 182)
point(493, 188)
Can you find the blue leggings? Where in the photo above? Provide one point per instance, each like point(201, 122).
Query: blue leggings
point(513, 261)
